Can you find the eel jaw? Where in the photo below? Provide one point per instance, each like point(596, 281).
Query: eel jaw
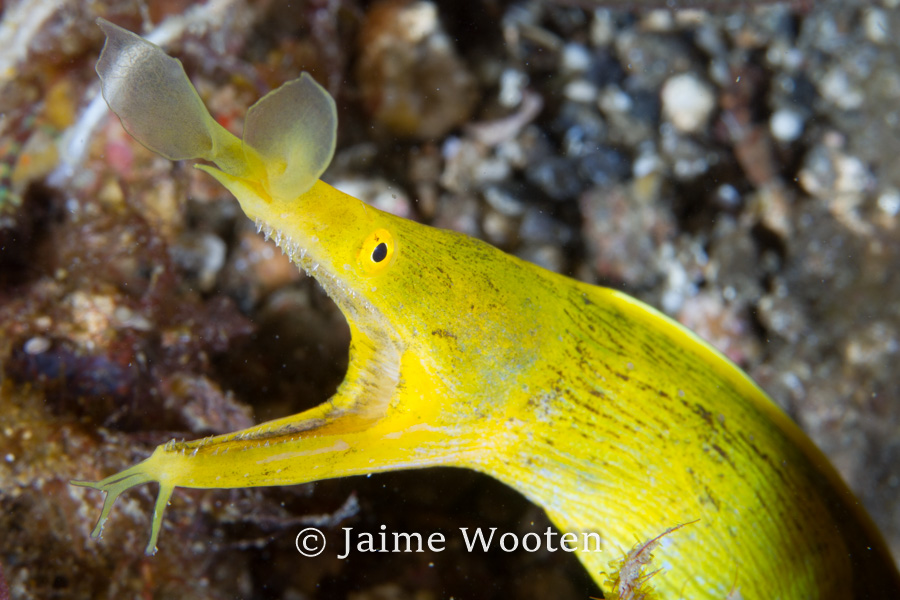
point(376, 348)
point(373, 371)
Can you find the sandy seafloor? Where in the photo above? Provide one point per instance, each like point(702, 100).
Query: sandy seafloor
point(739, 169)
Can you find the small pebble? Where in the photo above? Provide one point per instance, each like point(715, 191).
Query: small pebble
point(728, 196)
point(852, 175)
point(503, 201)
point(202, 255)
point(678, 287)
point(497, 228)
point(658, 20)
point(836, 87)
point(603, 27)
point(871, 344)
point(889, 202)
point(687, 102)
point(646, 163)
point(786, 125)
point(876, 25)
point(512, 82)
point(575, 58)
point(37, 345)
point(614, 100)
point(580, 90)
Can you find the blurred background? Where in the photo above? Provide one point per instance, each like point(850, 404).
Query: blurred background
point(736, 164)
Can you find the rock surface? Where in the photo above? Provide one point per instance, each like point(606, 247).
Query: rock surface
point(738, 168)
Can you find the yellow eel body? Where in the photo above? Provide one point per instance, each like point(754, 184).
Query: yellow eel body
point(610, 416)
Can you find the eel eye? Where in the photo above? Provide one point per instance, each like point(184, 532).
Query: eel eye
point(377, 252)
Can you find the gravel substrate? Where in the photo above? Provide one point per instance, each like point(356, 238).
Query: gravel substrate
point(739, 169)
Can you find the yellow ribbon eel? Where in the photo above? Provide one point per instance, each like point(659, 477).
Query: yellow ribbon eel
point(609, 415)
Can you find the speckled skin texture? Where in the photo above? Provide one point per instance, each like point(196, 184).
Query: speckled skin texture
point(120, 331)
